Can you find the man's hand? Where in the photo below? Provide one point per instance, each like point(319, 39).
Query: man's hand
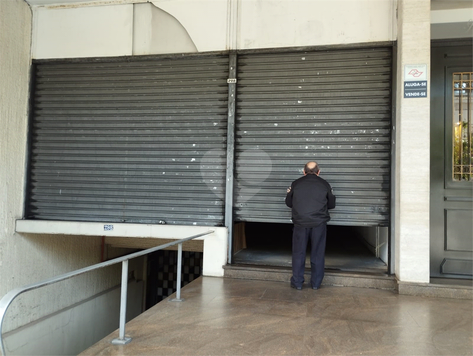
point(288, 189)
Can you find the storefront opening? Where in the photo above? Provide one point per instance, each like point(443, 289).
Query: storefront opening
point(349, 248)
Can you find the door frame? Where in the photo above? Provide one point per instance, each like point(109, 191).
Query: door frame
point(445, 56)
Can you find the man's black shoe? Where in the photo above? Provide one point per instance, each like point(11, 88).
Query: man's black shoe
point(296, 287)
point(315, 288)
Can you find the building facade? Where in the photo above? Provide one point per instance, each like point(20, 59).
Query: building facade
point(166, 119)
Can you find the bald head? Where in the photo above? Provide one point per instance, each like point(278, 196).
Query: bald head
point(311, 168)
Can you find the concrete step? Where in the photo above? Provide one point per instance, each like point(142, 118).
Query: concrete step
point(447, 288)
point(437, 288)
point(332, 278)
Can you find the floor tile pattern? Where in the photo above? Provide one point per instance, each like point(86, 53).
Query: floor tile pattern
point(222, 316)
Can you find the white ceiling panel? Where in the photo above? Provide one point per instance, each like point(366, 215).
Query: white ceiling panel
point(79, 3)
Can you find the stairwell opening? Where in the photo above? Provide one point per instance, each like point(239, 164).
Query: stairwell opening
point(349, 248)
point(162, 273)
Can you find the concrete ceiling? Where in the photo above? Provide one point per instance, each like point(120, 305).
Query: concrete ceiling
point(436, 4)
point(78, 3)
point(450, 5)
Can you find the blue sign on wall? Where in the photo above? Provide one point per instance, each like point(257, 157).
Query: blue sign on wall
point(415, 89)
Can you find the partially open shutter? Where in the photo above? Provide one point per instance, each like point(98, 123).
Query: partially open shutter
point(330, 106)
point(129, 140)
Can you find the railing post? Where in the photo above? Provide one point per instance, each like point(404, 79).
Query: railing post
point(122, 340)
point(179, 270)
point(8, 298)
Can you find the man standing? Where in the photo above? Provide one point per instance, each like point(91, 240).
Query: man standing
point(310, 197)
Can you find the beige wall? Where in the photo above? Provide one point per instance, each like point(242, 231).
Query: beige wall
point(276, 23)
point(99, 31)
point(119, 27)
point(188, 26)
point(412, 146)
point(47, 336)
point(15, 37)
point(155, 31)
point(25, 259)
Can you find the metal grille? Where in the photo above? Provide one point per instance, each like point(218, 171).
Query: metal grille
point(139, 140)
point(330, 106)
point(463, 126)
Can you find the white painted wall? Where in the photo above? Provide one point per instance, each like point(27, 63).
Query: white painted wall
point(205, 21)
point(210, 25)
point(99, 31)
point(275, 23)
point(215, 244)
point(156, 32)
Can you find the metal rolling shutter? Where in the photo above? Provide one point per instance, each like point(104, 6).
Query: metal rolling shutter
point(330, 106)
point(132, 140)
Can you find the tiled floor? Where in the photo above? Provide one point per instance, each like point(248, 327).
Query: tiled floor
point(242, 317)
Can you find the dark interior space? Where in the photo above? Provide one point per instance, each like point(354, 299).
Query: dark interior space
point(269, 244)
point(162, 273)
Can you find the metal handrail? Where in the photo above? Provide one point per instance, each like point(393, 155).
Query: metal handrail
point(10, 296)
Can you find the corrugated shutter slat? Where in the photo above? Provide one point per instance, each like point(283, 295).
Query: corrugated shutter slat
point(130, 140)
point(330, 106)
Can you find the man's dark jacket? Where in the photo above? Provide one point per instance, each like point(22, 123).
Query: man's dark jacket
point(310, 198)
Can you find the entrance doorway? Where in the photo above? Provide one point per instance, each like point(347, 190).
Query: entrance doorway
point(451, 181)
point(331, 106)
point(349, 248)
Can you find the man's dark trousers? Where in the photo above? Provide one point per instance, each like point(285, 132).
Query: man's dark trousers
point(300, 238)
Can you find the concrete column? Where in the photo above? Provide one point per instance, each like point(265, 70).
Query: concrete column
point(412, 147)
